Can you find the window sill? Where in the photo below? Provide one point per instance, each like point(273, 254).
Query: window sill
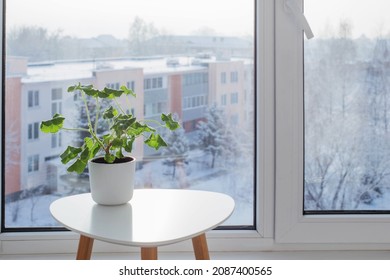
point(219, 241)
point(67, 242)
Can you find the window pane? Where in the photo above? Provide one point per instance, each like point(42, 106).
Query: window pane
point(171, 57)
point(347, 102)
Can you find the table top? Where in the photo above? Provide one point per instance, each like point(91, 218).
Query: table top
point(152, 218)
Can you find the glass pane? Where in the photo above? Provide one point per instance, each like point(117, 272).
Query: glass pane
point(347, 106)
point(173, 53)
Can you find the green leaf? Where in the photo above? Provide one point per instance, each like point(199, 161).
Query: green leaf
point(110, 113)
point(138, 129)
point(107, 138)
point(94, 150)
point(116, 143)
point(72, 88)
point(109, 158)
point(53, 125)
point(93, 147)
point(110, 93)
point(155, 141)
point(129, 145)
point(169, 122)
point(69, 154)
point(128, 91)
point(84, 156)
point(88, 142)
point(122, 123)
point(88, 89)
point(119, 154)
point(78, 166)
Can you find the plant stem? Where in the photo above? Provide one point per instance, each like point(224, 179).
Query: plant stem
point(153, 121)
point(91, 131)
point(75, 129)
point(86, 109)
point(97, 114)
point(119, 106)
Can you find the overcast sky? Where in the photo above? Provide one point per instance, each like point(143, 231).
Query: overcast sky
point(87, 18)
point(368, 17)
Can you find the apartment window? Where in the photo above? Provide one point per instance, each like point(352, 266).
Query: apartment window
point(76, 55)
point(33, 131)
point(157, 82)
point(33, 98)
point(147, 84)
point(33, 163)
point(131, 85)
point(234, 77)
point(56, 140)
point(234, 98)
point(223, 78)
point(56, 104)
point(161, 107)
point(224, 99)
point(195, 78)
point(56, 94)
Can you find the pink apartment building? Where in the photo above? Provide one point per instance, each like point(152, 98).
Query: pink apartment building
point(36, 92)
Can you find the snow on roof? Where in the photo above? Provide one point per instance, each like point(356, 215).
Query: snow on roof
point(70, 70)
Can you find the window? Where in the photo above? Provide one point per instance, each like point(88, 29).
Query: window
point(223, 78)
point(331, 170)
point(157, 82)
point(56, 97)
point(131, 85)
point(147, 84)
point(234, 77)
point(286, 72)
point(350, 174)
point(153, 83)
point(113, 85)
point(33, 131)
point(143, 60)
point(195, 78)
point(33, 163)
point(33, 98)
point(56, 140)
point(224, 99)
point(234, 98)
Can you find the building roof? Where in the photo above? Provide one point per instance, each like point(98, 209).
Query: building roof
point(76, 70)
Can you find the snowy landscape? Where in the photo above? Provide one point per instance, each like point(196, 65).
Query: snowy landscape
point(237, 182)
point(216, 163)
point(347, 123)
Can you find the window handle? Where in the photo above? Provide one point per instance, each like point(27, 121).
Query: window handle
point(291, 6)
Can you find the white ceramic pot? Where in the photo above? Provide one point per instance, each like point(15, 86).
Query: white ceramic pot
point(112, 183)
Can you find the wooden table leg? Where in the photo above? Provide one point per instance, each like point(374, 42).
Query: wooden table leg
point(85, 248)
point(149, 253)
point(200, 247)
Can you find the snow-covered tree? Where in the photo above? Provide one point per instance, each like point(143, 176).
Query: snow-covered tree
point(177, 151)
point(347, 138)
point(215, 136)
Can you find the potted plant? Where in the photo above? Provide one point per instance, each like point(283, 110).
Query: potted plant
point(111, 168)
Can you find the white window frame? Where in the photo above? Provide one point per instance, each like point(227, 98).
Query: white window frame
point(344, 231)
point(279, 153)
point(258, 239)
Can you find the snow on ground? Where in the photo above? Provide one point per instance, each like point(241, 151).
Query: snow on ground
point(237, 182)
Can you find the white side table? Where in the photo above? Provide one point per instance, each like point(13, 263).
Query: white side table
point(154, 217)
